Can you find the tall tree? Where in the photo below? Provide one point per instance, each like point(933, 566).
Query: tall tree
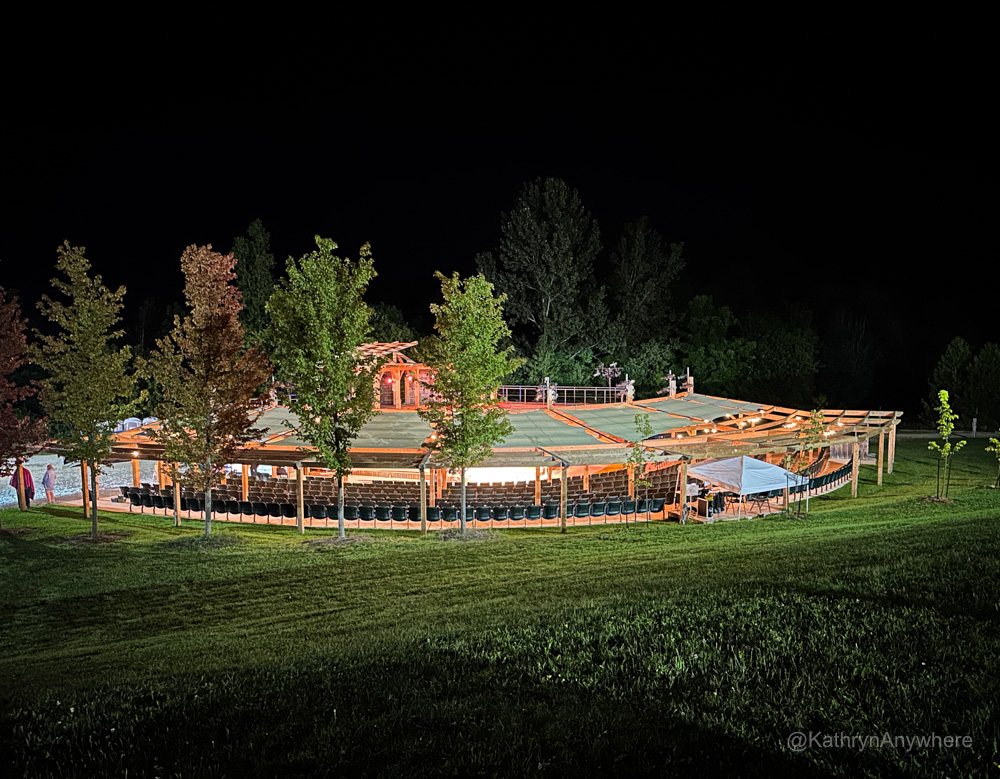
point(545, 267)
point(984, 387)
point(208, 375)
point(319, 319)
point(644, 271)
point(718, 358)
point(952, 370)
point(470, 362)
point(388, 324)
point(18, 431)
point(254, 277)
point(88, 383)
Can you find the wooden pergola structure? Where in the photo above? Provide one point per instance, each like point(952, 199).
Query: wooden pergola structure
point(687, 428)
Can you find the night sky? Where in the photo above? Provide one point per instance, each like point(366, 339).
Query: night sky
point(831, 171)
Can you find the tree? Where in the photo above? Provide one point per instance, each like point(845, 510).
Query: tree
point(208, 375)
point(952, 370)
point(318, 320)
point(545, 267)
point(945, 426)
point(984, 387)
point(254, 277)
point(994, 446)
point(718, 359)
point(644, 270)
point(388, 324)
point(18, 431)
point(88, 384)
point(470, 363)
point(637, 460)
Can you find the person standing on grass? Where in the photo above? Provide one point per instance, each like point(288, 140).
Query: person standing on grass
point(49, 483)
point(29, 486)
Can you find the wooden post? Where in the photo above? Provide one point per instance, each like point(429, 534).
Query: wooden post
point(22, 503)
point(432, 488)
point(423, 501)
point(684, 491)
point(86, 488)
point(396, 391)
point(586, 478)
point(135, 472)
point(245, 483)
point(631, 482)
point(563, 498)
point(855, 464)
point(538, 486)
point(892, 446)
point(881, 454)
point(161, 481)
point(300, 511)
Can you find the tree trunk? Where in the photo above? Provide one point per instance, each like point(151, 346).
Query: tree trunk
point(947, 484)
point(462, 518)
point(340, 507)
point(208, 496)
point(22, 504)
point(93, 498)
point(86, 490)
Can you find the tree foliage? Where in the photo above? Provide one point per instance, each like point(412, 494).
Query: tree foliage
point(719, 359)
point(545, 267)
point(984, 387)
point(388, 324)
point(208, 375)
point(470, 361)
point(947, 450)
point(254, 277)
point(952, 370)
point(88, 384)
point(18, 431)
point(318, 320)
point(644, 269)
point(994, 447)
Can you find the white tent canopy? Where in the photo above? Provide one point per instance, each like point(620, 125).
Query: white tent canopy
point(745, 475)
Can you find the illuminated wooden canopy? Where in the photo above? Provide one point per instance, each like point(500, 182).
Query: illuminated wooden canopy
point(691, 427)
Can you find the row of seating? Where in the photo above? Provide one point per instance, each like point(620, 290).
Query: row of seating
point(597, 509)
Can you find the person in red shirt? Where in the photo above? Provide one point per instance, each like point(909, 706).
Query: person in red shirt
point(29, 485)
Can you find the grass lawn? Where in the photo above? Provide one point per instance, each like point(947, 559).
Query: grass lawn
point(650, 650)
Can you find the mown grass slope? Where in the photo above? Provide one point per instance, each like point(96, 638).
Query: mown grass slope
point(648, 650)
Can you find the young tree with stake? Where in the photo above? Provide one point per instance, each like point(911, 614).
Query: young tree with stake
point(88, 385)
point(209, 377)
point(318, 321)
point(469, 363)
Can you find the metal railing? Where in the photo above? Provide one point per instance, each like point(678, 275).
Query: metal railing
point(519, 393)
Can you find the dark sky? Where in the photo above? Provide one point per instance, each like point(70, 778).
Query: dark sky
point(844, 169)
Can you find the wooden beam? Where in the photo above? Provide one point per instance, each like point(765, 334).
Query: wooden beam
point(538, 486)
point(586, 478)
point(892, 446)
point(881, 454)
point(300, 511)
point(161, 481)
point(135, 472)
point(855, 464)
point(245, 482)
point(563, 498)
point(684, 491)
point(631, 482)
